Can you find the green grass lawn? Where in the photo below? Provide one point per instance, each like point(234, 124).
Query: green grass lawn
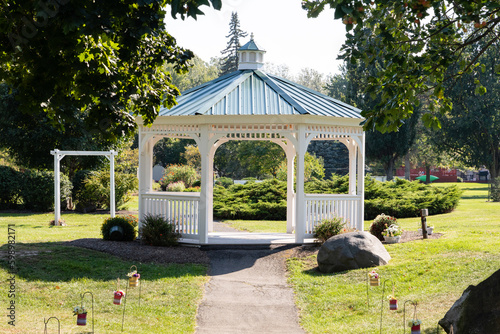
point(51, 277)
point(258, 226)
point(433, 273)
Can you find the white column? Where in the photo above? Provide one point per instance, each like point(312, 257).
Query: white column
point(210, 190)
point(112, 200)
point(290, 217)
point(300, 205)
point(361, 183)
point(352, 166)
point(205, 185)
point(145, 171)
point(57, 188)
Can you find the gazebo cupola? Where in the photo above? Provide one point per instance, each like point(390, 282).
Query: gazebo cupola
point(251, 56)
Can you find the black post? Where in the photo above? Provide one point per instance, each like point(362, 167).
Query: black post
point(423, 214)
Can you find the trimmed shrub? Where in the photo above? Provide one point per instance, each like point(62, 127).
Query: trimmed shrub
point(399, 197)
point(127, 224)
point(263, 200)
point(96, 192)
point(176, 173)
point(329, 228)
point(158, 231)
point(10, 187)
point(38, 190)
point(381, 223)
point(225, 182)
point(176, 187)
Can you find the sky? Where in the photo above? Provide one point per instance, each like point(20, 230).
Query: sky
point(280, 27)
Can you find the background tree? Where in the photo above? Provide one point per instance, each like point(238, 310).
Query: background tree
point(100, 59)
point(312, 79)
point(385, 148)
point(199, 73)
point(471, 130)
point(229, 61)
point(169, 151)
point(415, 42)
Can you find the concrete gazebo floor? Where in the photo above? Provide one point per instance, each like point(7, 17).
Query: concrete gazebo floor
point(247, 238)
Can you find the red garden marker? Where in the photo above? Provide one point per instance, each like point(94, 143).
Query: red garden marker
point(393, 304)
point(81, 319)
point(117, 300)
point(415, 329)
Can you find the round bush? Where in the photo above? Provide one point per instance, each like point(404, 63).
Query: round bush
point(158, 231)
point(176, 187)
point(126, 224)
point(175, 173)
point(329, 228)
point(38, 189)
point(380, 223)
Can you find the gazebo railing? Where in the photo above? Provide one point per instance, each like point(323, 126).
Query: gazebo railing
point(323, 206)
point(181, 208)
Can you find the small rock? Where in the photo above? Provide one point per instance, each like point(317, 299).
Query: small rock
point(351, 251)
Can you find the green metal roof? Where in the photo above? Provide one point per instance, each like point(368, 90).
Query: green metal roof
point(252, 92)
point(251, 45)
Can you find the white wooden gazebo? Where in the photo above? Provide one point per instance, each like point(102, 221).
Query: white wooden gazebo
point(249, 104)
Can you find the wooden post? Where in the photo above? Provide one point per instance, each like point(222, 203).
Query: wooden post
point(423, 214)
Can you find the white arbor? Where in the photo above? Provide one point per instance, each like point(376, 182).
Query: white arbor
point(251, 105)
point(58, 155)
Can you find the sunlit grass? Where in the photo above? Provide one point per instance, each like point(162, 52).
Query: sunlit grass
point(258, 226)
point(52, 276)
point(433, 272)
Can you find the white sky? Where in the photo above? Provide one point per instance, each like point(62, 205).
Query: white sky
point(280, 27)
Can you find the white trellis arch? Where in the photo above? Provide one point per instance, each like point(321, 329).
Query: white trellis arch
point(58, 155)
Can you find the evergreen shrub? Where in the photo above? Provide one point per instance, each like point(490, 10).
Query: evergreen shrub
point(225, 182)
point(264, 200)
point(127, 223)
point(158, 231)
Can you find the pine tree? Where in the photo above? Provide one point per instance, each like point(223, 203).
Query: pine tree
point(229, 61)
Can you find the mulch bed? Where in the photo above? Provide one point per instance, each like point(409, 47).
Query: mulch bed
point(135, 251)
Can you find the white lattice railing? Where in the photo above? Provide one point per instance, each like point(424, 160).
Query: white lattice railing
point(181, 208)
point(322, 206)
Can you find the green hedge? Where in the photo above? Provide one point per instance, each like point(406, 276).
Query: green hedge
point(10, 187)
point(30, 189)
point(399, 198)
point(264, 200)
point(128, 225)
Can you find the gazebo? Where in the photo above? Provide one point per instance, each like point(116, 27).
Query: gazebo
point(249, 104)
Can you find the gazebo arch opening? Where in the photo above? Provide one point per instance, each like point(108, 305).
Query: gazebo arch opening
point(249, 104)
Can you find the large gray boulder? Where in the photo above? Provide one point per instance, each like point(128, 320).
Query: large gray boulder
point(351, 251)
point(477, 311)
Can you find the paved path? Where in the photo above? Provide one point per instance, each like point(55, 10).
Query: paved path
point(247, 293)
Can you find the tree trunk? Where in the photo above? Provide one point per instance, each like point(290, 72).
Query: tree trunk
point(427, 174)
point(389, 171)
point(407, 166)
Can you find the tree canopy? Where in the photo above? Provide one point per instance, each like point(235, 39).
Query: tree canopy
point(415, 41)
point(471, 131)
point(103, 58)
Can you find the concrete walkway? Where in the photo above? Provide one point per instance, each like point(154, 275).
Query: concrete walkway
point(247, 293)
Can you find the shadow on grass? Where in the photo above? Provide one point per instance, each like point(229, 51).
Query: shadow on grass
point(53, 262)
